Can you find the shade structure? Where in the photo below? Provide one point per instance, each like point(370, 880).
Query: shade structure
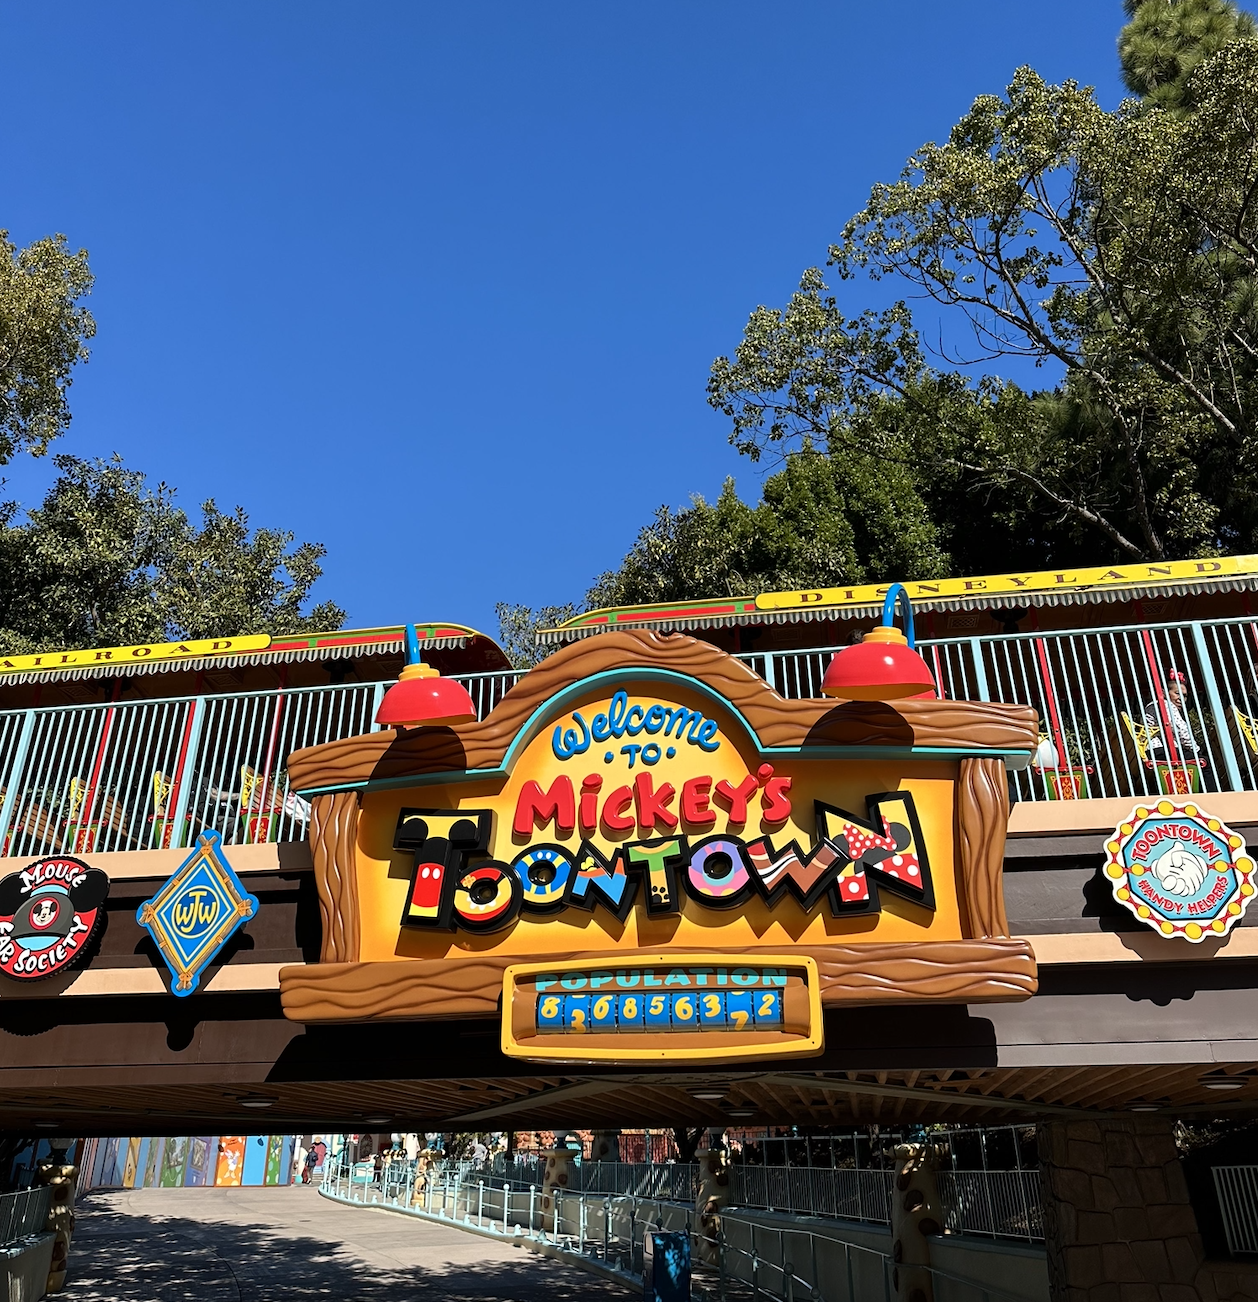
point(886, 666)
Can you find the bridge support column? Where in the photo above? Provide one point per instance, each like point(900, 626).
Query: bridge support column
point(710, 1197)
point(55, 1171)
point(1118, 1224)
point(914, 1218)
point(605, 1146)
point(557, 1175)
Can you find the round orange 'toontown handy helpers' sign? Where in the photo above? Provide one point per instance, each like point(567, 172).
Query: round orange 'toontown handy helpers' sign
point(1180, 870)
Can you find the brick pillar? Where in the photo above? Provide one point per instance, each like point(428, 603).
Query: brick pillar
point(1118, 1225)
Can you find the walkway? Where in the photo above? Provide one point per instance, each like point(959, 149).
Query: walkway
point(289, 1244)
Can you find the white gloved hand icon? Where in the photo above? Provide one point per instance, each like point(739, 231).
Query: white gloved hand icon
point(1180, 871)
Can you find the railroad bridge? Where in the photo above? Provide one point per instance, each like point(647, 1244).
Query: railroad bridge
point(659, 876)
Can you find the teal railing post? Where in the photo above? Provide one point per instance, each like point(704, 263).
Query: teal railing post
point(187, 768)
point(1221, 730)
point(980, 670)
point(375, 705)
point(11, 793)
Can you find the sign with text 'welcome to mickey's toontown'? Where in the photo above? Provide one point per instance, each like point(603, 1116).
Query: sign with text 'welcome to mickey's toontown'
point(644, 851)
point(633, 819)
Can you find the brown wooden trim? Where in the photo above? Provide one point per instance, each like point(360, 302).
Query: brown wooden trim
point(334, 846)
point(954, 972)
point(982, 816)
point(977, 725)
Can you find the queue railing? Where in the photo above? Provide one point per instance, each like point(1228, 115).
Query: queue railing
point(734, 1257)
point(995, 1204)
point(24, 1213)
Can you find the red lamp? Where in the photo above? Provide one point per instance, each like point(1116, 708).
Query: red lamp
point(886, 665)
point(421, 696)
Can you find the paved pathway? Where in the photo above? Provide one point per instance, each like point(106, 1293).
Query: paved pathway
point(289, 1244)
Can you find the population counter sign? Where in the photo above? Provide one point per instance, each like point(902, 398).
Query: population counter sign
point(195, 913)
point(1180, 870)
point(48, 913)
point(658, 1006)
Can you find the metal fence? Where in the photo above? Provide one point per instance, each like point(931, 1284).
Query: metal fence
point(996, 1204)
point(1237, 1190)
point(23, 1213)
point(1165, 709)
point(814, 1191)
point(999, 1204)
point(152, 774)
point(734, 1257)
point(1125, 712)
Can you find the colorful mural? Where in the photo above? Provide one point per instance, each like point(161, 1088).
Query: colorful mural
point(192, 1161)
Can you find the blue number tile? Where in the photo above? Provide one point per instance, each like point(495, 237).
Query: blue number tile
point(606, 1005)
point(712, 1010)
point(768, 1007)
point(630, 1010)
point(685, 1014)
point(576, 1012)
point(550, 1012)
point(740, 1012)
point(657, 1011)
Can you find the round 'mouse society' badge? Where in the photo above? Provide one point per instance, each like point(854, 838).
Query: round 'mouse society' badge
point(1180, 870)
point(48, 913)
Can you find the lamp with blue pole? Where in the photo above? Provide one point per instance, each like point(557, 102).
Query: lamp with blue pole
point(886, 665)
point(421, 697)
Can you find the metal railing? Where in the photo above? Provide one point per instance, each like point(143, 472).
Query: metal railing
point(152, 774)
point(736, 1259)
point(814, 1191)
point(1000, 1204)
point(1110, 723)
point(996, 1204)
point(1237, 1190)
point(24, 1213)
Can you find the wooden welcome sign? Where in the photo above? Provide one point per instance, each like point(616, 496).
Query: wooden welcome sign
point(645, 852)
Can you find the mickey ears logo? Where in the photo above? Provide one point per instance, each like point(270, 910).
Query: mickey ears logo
point(49, 912)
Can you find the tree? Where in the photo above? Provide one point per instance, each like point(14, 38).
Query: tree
point(518, 626)
point(105, 561)
point(43, 333)
point(1165, 41)
point(819, 521)
point(1119, 249)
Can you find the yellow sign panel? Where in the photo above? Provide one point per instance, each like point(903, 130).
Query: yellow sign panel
point(133, 655)
point(1101, 576)
point(694, 1007)
point(636, 820)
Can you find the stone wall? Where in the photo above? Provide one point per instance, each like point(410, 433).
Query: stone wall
point(1118, 1223)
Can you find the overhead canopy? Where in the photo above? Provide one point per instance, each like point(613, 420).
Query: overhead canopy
point(170, 657)
point(1067, 587)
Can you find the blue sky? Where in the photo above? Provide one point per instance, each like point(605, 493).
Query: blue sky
point(439, 285)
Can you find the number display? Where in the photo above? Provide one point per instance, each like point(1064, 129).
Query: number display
point(691, 1010)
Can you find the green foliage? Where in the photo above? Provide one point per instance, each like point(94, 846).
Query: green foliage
point(224, 580)
point(107, 561)
point(1166, 40)
point(821, 520)
point(518, 626)
point(43, 333)
point(1117, 248)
